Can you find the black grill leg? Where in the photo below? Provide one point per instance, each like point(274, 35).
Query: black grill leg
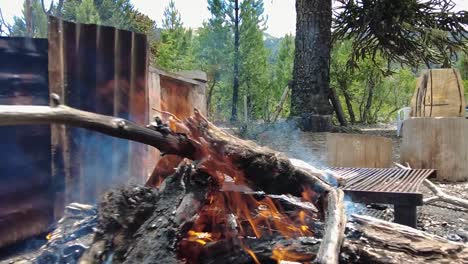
point(406, 215)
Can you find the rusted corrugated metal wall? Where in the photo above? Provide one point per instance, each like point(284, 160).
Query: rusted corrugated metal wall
point(178, 94)
point(103, 70)
point(26, 188)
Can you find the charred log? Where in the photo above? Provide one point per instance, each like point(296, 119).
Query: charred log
point(147, 231)
point(267, 250)
point(170, 143)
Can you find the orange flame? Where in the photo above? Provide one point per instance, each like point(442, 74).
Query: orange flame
point(236, 214)
point(284, 254)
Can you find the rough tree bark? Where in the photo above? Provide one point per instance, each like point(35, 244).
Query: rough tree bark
point(310, 106)
point(370, 240)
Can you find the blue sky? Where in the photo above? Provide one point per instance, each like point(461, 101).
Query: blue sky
point(281, 13)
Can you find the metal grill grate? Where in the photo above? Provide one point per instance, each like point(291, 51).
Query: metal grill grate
point(383, 180)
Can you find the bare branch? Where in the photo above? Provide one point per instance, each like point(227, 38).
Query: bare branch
point(4, 24)
point(442, 196)
point(170, 143)
point(48, 12)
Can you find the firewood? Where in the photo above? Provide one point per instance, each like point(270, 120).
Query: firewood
point(170, 143)
point(334, 229)
point(267, 250)
point(147, 231)
point(371, 240)
point(441, 196)
point(264, 168)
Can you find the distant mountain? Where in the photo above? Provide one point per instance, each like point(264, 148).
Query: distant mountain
point(272, 44)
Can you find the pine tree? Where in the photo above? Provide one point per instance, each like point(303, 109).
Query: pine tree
point(87, 13)
point(253, 58)
point(282, 71)
point(214, 49)
point(38, 21)
point(175, 49)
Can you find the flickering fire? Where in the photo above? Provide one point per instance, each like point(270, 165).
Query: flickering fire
point(239, 215)
point(233, 214)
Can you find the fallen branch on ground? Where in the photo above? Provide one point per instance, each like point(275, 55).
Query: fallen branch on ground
point(441, 196)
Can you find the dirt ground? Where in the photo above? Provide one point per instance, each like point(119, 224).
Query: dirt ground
point(440, 218)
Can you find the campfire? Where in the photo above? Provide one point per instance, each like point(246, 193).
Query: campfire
point(215, 198)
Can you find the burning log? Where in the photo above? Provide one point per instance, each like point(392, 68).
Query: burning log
point(264, 168)
point(188, 217)
point(144, 226)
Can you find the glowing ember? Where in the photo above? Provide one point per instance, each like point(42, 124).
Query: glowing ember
point(199, 237)
point(283, 254)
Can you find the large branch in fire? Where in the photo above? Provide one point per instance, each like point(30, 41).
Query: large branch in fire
point(263, 168)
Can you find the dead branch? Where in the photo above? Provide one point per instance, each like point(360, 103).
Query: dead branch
point(334, 229)
point(279, 107)
point(441, 196)
point(4, 24)
point(264, 168)
point(170, 143)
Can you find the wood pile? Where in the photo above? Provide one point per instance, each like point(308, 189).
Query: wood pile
point(189, 218)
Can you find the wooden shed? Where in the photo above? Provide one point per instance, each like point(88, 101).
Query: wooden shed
point(439, 93)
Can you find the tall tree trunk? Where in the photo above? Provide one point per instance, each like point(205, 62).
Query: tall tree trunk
point(29, 22)
point(235, 88)
point(311, 81)
point(210, 95)
point(365, 113)
point(337, 106)
point(349, 105)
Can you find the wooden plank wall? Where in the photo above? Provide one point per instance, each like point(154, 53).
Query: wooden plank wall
point(358, 151)
point(437, 143)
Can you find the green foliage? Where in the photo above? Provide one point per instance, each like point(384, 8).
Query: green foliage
point(87, 13)
point(462, 66)
point(214, 47)
point(281, 72)
point(39, 21)
point(253, 70)
point(175, 50)
point(372, 94)
point(406, 31)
